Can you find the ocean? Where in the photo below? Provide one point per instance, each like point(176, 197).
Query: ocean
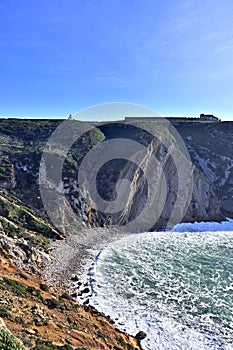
point(175, 286)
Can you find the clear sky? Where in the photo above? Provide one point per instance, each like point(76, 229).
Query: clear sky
point(60, 56)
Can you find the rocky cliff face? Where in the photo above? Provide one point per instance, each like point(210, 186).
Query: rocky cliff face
point(211, 170)
point(188, 182)
point(210, 146)
point(203, 204)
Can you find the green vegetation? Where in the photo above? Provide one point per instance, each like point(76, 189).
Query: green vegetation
point(48, 345)
point(52, 303)
point(22, 143)
point(36, 240)
point(27, 342)
point(102, 335)
point(44, 287)
point(23, 218)
point(16, 134)
point(6, 169)
point(22, 275)
point(4, 311)
point(9, 342)
point(65, 296)
point(20, 320)
point(79, 149)
point(12, 285)
point(10, 229)
point(20, 289)
point(31, 289)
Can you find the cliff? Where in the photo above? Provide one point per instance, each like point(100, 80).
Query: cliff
point(207, 174)
point(211, 168)
point(210, 146)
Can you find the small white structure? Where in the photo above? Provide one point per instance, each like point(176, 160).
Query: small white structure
point(70, 117)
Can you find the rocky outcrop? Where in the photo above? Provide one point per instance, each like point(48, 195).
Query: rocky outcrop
point(23, 255)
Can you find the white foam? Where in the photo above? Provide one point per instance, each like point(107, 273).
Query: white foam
point(205, 226)
point(163, 333)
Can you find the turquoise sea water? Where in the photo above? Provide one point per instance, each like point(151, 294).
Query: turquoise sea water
point(175, 286)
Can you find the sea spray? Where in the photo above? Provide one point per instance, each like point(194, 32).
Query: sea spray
point(205, 226)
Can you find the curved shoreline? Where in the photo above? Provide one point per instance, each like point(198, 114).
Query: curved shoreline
point(80, 262)
point(72, 261)
point(125, 327)
point(75, 254)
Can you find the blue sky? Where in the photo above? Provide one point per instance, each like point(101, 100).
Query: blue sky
point(60, 56)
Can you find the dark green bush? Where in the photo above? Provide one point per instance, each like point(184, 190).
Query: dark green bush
point(4, 312)
point(44, 287)
point(52, 303)
point(20, 320)
point(22, 275)
point(66, 296)
point(31, 289)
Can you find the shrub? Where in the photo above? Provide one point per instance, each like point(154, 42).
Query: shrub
point(9, 342)
point(31, 289)
point(20, 320)
point(102, 335)
point(44, 287)
point(39, 296)
point(4, 312)
point(48, 345)
point(26, 342)
point(22, 275)
point(124, 344)
point(52, 303)
point(66, 296)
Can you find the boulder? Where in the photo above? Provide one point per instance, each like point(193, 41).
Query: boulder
point(140, 336)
